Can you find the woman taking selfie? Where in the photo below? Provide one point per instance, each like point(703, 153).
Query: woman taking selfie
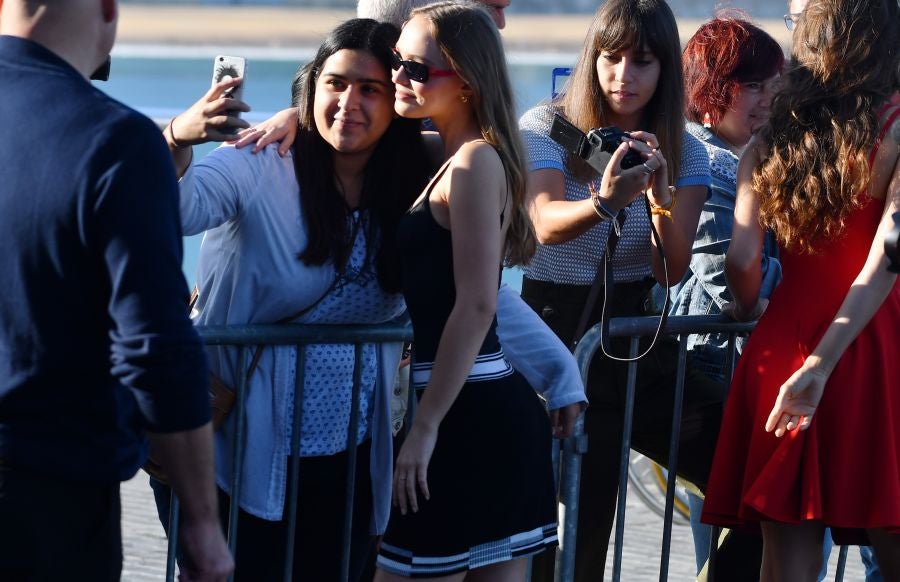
point(307, 237)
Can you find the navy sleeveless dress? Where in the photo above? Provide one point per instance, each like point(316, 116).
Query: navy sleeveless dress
point(490, 476)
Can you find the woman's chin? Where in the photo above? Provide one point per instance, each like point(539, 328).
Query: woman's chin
point(408, 110)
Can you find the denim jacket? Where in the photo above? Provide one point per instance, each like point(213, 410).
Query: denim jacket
point(703, 291)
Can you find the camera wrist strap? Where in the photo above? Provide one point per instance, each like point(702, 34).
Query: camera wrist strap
point(611, 243)
point(612, 240)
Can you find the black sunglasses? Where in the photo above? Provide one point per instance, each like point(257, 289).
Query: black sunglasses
point(419, 72)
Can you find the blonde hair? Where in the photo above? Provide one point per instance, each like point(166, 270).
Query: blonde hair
point(823, 124)
point(469, 41)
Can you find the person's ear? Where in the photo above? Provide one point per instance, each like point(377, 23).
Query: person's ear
point(110, 10)
point(466, 93)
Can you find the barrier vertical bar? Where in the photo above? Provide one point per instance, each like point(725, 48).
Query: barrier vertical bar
point(841, 565)
point(351, 463)
point(674, 443)
point(716, 532)
point(623, 461)
point(237, 460)
point(573, 449)
point(171, 549)
point(294, 460)
point(572, 452)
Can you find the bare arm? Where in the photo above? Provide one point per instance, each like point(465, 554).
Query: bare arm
point(188, 459)
point(677, 230)
point(743, 262)
point(474, 195)
point(677, 233)
point(557, 220)
point(281, 127)
point(799, 397)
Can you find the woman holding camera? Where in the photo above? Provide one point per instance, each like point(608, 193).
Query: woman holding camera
point(310, 237)
point(810, 435)
point(629, 75)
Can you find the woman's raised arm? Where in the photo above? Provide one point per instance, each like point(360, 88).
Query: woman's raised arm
point(206, 120)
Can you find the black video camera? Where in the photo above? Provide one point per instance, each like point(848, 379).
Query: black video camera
point(890, 245)
point(595, 148)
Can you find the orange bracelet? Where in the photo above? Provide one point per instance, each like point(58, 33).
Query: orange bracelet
point(667, 209)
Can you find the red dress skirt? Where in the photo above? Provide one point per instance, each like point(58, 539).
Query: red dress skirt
point(845, 469)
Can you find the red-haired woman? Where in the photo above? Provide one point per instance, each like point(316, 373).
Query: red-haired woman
point(731, 68)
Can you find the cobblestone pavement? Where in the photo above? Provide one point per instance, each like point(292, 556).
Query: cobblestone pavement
point(145, 544)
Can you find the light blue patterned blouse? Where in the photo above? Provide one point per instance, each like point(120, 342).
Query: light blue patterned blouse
point(248, 272)
point(356, 298)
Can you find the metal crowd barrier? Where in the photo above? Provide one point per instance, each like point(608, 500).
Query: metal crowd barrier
point(245, 336)
point(571, 449)
point(575, 447)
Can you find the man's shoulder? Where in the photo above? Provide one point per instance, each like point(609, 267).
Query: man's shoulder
point(113, 118)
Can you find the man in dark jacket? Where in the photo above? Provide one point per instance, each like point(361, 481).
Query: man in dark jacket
point(96, 348)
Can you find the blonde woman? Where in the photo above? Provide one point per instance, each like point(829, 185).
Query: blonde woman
point(473, 488)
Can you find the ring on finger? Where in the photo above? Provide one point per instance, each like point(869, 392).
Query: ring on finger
point(648, 168)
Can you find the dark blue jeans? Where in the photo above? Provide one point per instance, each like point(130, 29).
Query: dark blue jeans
point(52, 528)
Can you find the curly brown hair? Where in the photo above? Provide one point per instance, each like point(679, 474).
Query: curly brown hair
point(815, 167)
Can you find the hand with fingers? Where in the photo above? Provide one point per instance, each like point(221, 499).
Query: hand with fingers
point(655, 167)
point(620, 187)
point(798, 399)
point(281, 128)
point(209, 119)
point(733, 310)
point(206, 557)
point(562, 420)
point(411, 471)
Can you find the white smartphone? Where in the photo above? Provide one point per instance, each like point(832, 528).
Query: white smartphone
point(225, 67)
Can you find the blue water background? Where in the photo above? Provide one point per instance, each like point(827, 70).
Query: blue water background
point(163, 87)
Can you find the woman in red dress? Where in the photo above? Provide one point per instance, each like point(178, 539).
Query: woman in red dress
point(811, 433)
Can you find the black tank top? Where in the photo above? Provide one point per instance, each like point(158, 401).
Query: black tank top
point(429, 287)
